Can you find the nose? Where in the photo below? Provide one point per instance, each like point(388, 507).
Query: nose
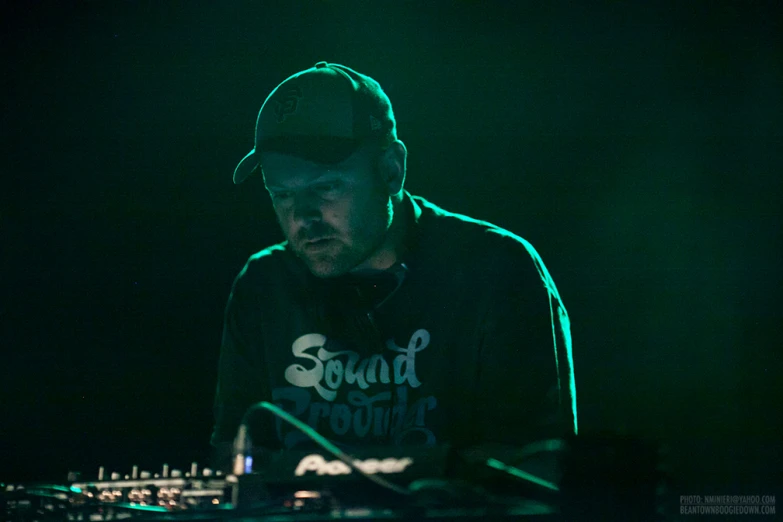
point(307, 208)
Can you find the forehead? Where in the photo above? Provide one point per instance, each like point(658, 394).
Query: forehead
point(281, 169)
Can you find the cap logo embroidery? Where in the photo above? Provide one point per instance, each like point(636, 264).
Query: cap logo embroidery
point(375, 124)
point(287, 103)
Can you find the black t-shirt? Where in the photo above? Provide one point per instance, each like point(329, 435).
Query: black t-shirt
point(465, 341)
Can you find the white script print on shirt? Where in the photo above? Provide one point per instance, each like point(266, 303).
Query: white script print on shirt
point(326, 372)
point(365, 372)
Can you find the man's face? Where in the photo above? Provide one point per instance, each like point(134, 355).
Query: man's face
point(334, 216)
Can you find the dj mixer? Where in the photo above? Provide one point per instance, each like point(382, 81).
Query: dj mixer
point(596, 480)
point(576, 478)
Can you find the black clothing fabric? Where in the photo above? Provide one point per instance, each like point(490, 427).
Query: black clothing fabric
point(465, 341)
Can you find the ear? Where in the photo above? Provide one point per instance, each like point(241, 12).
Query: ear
point(393, 165)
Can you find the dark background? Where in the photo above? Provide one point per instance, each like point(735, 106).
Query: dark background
point(634, 144)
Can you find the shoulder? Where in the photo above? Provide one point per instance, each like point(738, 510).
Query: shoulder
point(272, 257)
point(465, 230)
point(263, 271)
point(486, 246)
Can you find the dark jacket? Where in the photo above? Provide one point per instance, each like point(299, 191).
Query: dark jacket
point(465, 341)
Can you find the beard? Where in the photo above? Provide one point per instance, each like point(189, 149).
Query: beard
point(333, 260)
point(336, 257)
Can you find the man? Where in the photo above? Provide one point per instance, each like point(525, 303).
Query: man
point(382, 319)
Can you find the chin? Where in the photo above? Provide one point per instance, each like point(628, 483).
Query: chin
point(333, 264)
point(326, 268)
point(324, 272)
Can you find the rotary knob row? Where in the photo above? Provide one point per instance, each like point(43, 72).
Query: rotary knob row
point(165, 473)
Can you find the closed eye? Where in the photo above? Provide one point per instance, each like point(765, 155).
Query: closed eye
point(324, 189)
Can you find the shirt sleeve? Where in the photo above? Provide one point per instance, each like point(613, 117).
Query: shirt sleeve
point(526, 390)
point(240, 373)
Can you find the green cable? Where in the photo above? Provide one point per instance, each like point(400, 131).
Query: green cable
point(516, 472)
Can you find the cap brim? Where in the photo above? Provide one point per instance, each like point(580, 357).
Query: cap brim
point(319, 149)
point(246, 167)
point(328, 150)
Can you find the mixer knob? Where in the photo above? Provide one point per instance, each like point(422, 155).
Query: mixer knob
point(145, 475)
point(115, 475)
point(165, 471)
point(135, 472)
point(101, 473)
point(175, 473)
point(193, 469)
point(207, 472)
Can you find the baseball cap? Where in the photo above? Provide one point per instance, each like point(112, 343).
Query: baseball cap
point(323, 114)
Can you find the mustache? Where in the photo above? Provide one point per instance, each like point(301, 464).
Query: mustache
point(314, 231)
